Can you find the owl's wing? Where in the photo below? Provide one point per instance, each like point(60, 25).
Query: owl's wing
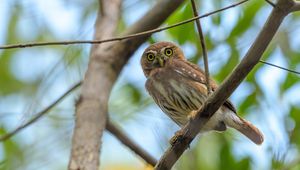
point(194, 72)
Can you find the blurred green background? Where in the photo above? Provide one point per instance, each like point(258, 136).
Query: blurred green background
point(31, 78)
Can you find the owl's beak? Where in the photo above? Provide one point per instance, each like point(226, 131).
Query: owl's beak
point(161, 61)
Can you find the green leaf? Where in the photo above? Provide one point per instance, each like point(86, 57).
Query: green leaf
point(228, 67)
point(246, 20)
point(216, 19)
point(290, 80)
point(228, 162)
point(127, 100)
point(248, 103)
point(12, 153)
point(184, 33)
point(295, 135)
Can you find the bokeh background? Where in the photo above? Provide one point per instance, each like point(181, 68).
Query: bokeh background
point(31, 78)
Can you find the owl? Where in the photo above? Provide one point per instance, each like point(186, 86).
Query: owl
point(178, 87)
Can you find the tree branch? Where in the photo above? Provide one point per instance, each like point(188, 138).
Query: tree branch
point(296, 6)
point(105, 64)
point(113, 129)
point(91, 111)
point(214, 101)
point(202, 42)
point(118, 133)
point(110, 127)
point(39, 114)
point(43, 112)
point(134, 35)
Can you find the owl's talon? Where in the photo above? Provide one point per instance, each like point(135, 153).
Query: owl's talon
point(178, 137)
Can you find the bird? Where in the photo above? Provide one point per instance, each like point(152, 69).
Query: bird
point(178, 87)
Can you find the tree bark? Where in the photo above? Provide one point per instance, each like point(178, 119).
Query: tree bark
point(91, 108)
point(106, 62)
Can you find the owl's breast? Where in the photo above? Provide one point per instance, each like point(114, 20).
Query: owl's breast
point(175, 94)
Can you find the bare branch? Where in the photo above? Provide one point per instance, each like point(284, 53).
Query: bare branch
point(105, 64)
point(202, 41)
point(129, 36)
point(91, 112)
point(118, 133)
point(113, 129)
point(214, 101)
point(39, 114)
point(296, 6)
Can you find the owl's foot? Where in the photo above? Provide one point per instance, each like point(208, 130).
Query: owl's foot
point(178, 137)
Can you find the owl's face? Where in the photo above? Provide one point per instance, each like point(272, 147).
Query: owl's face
point(158, 54)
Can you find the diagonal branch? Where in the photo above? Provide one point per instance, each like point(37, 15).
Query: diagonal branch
point(202, 41)
point(129, 36)
point(118, 133)
point(214, 101)
point(113, 129)
point(39, 114)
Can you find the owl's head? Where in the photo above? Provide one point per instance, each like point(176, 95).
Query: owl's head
point(158, 54)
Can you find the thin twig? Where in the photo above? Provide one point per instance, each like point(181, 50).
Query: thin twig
point(119, 134)
point(39, 114)
point(286, 69)
point(271, 3)
point(202, 41)
point(34, 44)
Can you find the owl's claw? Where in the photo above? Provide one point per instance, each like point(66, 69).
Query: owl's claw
point(175, 138)
point(178, 137)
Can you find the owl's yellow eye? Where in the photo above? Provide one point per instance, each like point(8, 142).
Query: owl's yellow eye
point(150, 56)
point(168, 51)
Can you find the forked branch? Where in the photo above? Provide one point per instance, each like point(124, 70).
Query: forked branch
point(90, 112)
point(105, 64)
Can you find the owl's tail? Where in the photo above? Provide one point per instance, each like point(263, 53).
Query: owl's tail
point(246, 128)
